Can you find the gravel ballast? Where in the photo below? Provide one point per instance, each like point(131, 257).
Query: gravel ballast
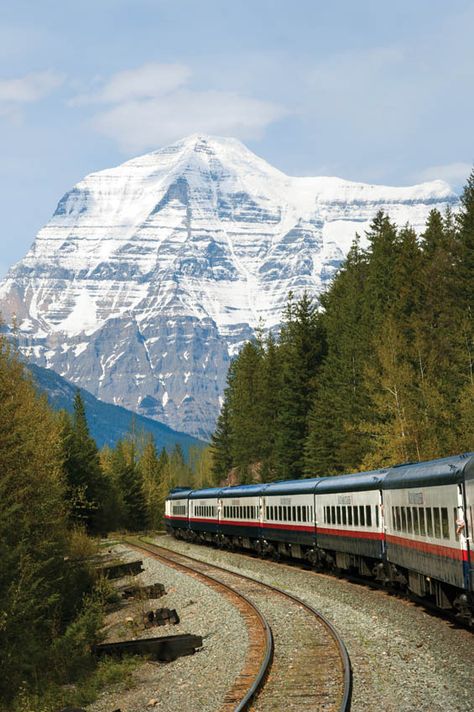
point(189, 684)
point(404, 659)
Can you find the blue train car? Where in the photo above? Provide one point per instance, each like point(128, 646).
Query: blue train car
point(427, 512)
point(240, 514)
point(203, 513)
point(287, 522)
point(177, 511)
point(349, 521)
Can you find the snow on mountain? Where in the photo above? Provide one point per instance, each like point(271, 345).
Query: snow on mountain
point(151, 274)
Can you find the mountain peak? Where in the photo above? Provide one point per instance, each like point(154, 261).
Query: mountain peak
point(150, 275)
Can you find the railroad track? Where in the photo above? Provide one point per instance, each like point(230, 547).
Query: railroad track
point(295, 659)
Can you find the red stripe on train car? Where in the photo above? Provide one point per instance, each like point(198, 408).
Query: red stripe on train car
point(427, 548)
point(288, 527)
point(350, 533)
point(183, 519)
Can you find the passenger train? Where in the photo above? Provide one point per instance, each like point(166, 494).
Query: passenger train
point(409, 525)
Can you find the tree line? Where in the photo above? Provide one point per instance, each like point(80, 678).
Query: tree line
point(57, 489)
point(379, 371)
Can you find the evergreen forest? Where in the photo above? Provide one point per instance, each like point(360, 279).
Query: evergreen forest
point(378, 372)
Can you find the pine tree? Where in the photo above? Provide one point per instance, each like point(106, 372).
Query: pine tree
point(151, 469)
point(128, 475)
point(221, 444)
point(336, 443)
point(245, 410)
point(87, 485)
point(302, 349)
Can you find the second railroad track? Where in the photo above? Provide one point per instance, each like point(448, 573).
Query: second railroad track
point(295, 658)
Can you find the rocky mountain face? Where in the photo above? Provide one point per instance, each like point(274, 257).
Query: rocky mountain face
point(150, 275)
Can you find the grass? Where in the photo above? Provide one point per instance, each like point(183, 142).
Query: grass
point(107, 672)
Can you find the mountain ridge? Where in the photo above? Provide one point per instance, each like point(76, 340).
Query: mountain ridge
point(107, 423)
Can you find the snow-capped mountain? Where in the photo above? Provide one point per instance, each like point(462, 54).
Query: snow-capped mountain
point(151, 274)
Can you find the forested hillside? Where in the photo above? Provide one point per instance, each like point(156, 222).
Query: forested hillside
point(379, 372)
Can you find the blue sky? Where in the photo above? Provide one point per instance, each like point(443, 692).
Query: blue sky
point(372, 91)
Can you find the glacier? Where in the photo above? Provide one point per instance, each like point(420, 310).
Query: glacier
point(150, 275)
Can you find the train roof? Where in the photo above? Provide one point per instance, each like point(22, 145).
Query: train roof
point(445, 471)
point(179, 493)
point(291, 487)
point(357, 482)
point(207, 493)
point(242, 490)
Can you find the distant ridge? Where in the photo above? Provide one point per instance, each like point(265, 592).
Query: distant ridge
point(107, 423)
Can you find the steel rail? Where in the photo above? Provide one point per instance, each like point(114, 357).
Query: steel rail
point(345, 703)
point(238, 705)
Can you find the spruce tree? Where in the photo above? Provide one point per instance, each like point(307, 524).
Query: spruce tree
point(86, 482)
point(302, 349)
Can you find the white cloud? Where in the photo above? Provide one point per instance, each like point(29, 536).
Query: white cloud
point(29, 88)
point(453, 173)
point(153, 105)
point(146, 82)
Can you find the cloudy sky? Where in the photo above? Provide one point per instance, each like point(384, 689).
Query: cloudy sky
point(371, 91)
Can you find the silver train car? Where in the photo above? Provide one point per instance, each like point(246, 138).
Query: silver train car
point(409, 526)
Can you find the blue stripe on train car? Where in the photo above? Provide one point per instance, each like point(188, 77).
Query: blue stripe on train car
point(361, 543)
point(291, 534)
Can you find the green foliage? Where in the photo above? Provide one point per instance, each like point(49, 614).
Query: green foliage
point(86, 483)
point(43, 577)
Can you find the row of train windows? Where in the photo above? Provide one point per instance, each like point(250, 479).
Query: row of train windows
point(289, 514)
point(237, 512)
point(355, 516)
point(424, 521)
point(204, 510)
point(179, 509)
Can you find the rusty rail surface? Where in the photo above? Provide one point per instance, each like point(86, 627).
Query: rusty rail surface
point(307, 667)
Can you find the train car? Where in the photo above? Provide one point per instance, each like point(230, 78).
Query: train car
point(239, 515)
point(177, 511)
point(288, 518)
point(349, 521)
point(203, 513)
point(428, 509)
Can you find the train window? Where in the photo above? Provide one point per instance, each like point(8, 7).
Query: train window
point(311, 514)
point(445, 522)
point(344, 515)
point(421, 517)
point(394, 519)
point(437, 522)
point(404, 519)
point(361, 515)
point(349, 516)
point(304, 511)
point(333, 515)
point(355, 511)
point(293, 514)
point(377, 516)
point(338, 514)
point(429, 522)
point(398, 521)
point(409, 521)
point(298, 512)
point(368, 515)
point(280, 513)
point(416, 526)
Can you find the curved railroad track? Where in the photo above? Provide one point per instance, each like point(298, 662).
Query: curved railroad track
point(295, 660)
